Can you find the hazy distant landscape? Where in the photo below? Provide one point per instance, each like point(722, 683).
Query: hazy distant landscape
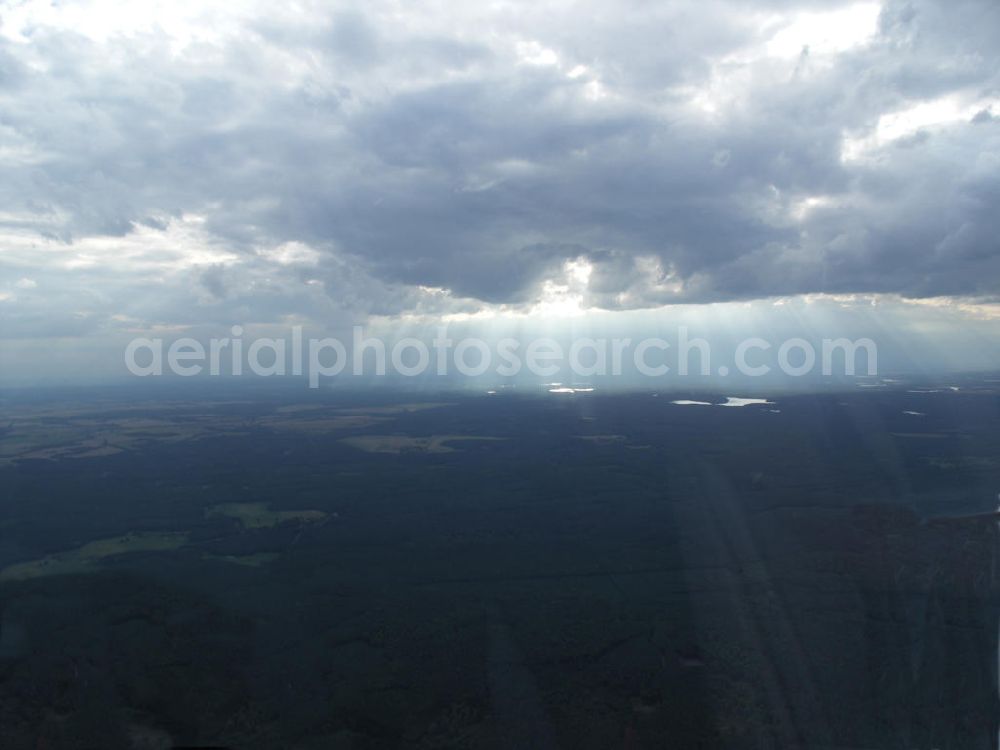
point(377, 570)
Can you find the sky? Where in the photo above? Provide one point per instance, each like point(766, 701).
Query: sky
point(178, 168)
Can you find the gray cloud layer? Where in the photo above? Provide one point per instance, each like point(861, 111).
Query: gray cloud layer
point(671, 147)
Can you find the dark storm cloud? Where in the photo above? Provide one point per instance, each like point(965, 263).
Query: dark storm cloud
point(478, 154)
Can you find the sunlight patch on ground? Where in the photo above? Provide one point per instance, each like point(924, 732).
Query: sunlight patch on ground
point(406, 444)
point(84, 559)
point(396, 408)
point(602, 439)
point(259, 516)
point(255, 560)
point(322, 424)
point(83, 432)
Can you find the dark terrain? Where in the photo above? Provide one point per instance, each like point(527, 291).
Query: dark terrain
point(322, 570)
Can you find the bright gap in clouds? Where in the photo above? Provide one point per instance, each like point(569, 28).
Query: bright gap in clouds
point(923, 116)
point(782, 37)
point(823, 32)
point(183, 22)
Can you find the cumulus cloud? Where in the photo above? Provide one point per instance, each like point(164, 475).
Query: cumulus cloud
point(185, 164)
